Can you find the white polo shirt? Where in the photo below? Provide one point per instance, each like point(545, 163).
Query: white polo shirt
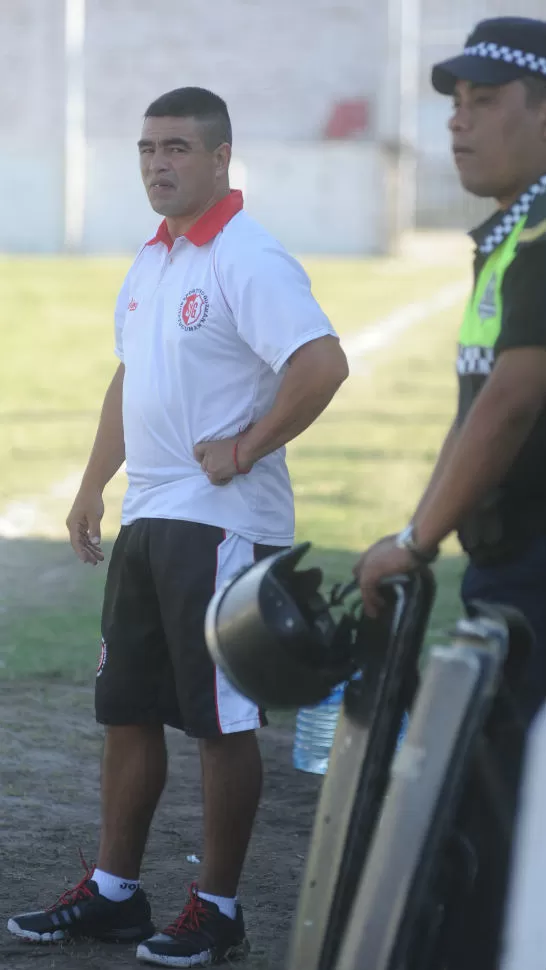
point(204, 327)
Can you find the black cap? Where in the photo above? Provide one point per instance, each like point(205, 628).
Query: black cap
point(496, 52)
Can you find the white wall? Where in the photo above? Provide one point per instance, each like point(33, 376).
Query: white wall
point(31, 125)
point(322, 198)
point(444, 28)
point(280, 64)
point(31, 200)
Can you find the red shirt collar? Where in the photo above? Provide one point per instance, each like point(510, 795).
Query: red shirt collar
point(208, 226)
point(162, 236)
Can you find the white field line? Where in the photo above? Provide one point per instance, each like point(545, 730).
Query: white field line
point(24, 518)
point(384, 332)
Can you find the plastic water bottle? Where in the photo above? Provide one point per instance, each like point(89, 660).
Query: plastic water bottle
point(315, 730)
point(404, 725)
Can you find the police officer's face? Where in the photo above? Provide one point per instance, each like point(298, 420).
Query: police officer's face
point(179, 171)
point(499, 139)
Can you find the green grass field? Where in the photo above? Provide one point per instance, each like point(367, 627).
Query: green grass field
point(357, 473)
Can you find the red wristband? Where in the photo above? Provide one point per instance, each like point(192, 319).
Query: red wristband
point(238, 469)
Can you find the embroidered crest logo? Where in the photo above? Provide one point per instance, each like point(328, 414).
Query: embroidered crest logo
point(103, 657)
point(194, 310)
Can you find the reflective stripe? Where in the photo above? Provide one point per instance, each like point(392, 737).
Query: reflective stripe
point(482, 321)
point(475, 360)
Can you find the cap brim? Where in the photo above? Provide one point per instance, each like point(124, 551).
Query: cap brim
point(477, 70)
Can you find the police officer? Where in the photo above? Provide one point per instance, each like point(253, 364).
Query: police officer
point(489, 483)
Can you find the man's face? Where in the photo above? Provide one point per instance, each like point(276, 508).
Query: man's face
point(179, 172)
point(498, 139)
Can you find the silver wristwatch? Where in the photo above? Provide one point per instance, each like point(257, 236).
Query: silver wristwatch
point(406, 539)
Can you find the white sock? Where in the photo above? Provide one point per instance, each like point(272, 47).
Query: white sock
point(226, 904)
point(115, 888)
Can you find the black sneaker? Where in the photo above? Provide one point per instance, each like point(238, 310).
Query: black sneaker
point(200, 936)
point(83, 912)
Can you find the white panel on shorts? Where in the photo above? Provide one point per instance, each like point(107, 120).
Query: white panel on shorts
point(233, 711)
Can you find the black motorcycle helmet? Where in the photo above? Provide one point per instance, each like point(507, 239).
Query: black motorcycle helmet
point(272, 633)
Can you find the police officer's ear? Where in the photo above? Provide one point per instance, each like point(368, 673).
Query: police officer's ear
point(222, 158)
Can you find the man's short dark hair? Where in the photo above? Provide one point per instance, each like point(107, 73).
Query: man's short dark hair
point(536, 90)
point(198, 103)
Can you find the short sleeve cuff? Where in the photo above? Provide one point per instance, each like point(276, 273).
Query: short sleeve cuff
point(304, 338)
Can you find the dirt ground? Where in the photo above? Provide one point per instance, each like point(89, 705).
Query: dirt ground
point(49, 807)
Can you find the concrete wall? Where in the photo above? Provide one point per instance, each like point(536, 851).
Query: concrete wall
point(280, 64)
point(444, 27)
point(315, 198)
point(31, 125)
point(281, 67)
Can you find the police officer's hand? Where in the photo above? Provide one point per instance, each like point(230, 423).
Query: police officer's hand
point(380, 561)
point(217, 459)
point(83, 524)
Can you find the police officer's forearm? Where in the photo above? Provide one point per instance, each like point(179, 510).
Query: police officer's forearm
point(484, 450)
point(309, 384)
point(108, 452)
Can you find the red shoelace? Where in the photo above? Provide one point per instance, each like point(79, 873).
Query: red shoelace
point(81, 891)
point(192, 916)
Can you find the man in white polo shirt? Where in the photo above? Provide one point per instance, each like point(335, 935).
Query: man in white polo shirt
point(224, 357)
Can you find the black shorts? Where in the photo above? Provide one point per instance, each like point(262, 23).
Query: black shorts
point(154, 666)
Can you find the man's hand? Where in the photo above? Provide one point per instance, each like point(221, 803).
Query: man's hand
point(83, 524)
point(380, 561)
point(217, 460)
